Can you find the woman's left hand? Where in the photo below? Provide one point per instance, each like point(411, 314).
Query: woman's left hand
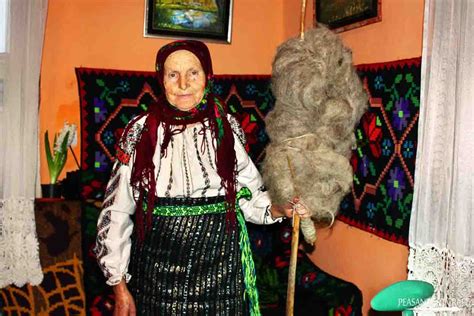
point(288, 209)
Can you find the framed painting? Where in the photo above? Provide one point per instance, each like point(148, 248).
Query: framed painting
point(196, 19)
point(343, 15)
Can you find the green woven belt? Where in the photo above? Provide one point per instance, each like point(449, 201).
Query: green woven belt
point(215, 208)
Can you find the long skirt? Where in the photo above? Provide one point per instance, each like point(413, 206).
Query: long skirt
point(190, 264)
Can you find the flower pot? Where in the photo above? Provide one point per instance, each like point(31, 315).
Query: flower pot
point(51, 190)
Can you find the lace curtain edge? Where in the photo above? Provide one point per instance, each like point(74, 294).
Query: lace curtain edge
point(451, 275)
point(19, 253)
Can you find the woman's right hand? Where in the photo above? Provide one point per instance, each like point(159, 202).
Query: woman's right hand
point(124, 303)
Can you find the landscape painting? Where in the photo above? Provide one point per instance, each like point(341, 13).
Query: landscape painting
point(202, 19)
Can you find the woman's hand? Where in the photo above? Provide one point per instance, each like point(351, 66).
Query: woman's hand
point(124, 303)
point(288, 209)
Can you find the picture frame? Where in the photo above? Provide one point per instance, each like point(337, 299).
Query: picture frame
point(208, 20)
point(344, 15)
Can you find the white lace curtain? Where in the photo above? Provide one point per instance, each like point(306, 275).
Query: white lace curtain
point(19, 259)
point(442, 221)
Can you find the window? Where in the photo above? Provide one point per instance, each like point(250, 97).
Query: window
point(4, 9)
point(3, 25)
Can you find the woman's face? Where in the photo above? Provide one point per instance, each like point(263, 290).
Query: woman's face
point(184, 80)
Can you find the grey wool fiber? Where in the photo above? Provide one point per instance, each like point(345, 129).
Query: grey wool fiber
point(319, 101)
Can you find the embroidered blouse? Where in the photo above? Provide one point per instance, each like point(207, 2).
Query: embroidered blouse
point(187, 170)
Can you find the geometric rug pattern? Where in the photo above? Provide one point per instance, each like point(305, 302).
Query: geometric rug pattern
point(58, 294)
point(384, 160)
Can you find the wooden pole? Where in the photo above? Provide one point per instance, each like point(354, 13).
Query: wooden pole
point(303, 14)
point(290, 292)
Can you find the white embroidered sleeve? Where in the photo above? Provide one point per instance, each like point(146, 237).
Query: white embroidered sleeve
point(257, 209)
point(115, 227)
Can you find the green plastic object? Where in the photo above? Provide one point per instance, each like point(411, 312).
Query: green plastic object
point(402, 295)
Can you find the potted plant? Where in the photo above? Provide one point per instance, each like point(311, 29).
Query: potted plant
point(57, 157)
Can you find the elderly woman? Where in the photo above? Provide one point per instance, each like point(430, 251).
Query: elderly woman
point(183, 175)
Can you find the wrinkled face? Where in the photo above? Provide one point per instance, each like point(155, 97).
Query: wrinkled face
point(184, 80)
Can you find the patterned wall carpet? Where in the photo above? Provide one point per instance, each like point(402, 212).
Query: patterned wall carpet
point(383, 163)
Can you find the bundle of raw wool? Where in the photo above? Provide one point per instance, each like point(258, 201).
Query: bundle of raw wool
point(319, 101)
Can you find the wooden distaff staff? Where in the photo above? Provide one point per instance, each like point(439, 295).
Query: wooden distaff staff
point(290, 292)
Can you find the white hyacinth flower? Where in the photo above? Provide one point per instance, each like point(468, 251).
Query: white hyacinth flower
point(72, 137)
point(72, 141)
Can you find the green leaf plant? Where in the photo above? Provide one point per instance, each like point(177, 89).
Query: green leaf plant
point(57, 157)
